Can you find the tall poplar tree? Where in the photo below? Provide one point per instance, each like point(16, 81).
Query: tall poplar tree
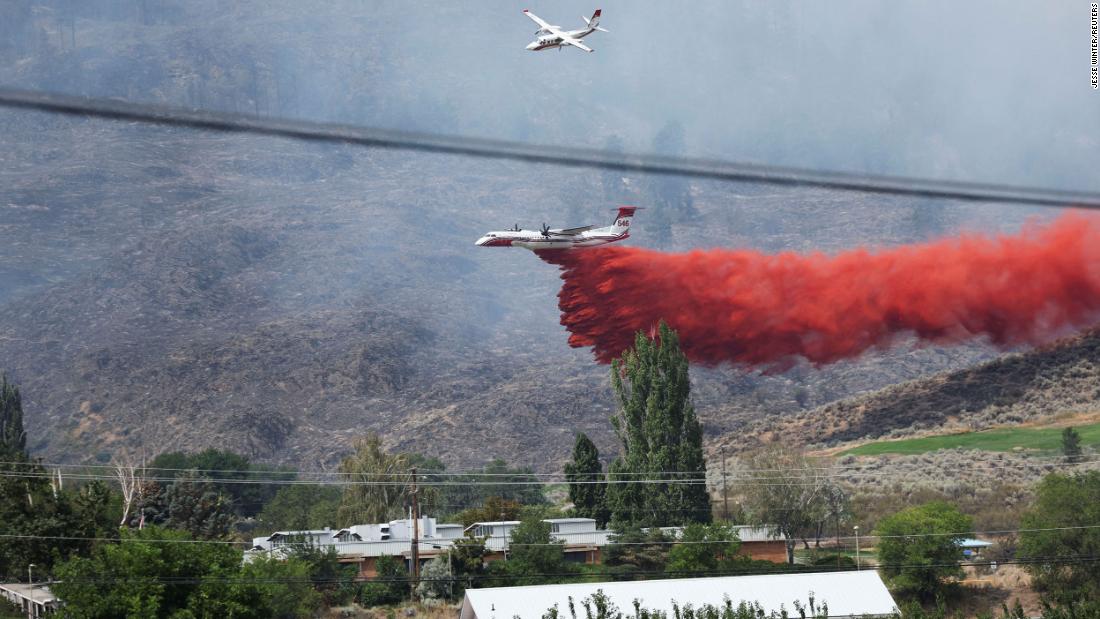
point(660, 434)
point(587, 486)
point(13, 438)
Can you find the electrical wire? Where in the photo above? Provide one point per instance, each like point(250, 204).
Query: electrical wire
point(113, 109)
point(805, 476)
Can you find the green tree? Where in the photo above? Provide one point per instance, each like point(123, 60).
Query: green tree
point(13, 438)
point(534, 556)
point(918, 547)
point(436, 580)
point(334, 581)
point(1071, 444)
point(390, 586)
point(195, 505)
point(511, 484)
point(466, 491)
point(790, 495)
point(31, 513)
point(660, 435)
point(703, 549)
point(584, 474)
point(151, 573)
point(299, 507)
point(636, 553)
point(34, 515)
point(248, 498)
point(263, 587)
point(1065, 507)
point(467, 562)
point(95, 510)
point(378, 483)
point(494, 509)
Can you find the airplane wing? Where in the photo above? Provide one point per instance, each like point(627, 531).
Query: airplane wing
point(571, 231)
point(538, 20)
point(574, 42)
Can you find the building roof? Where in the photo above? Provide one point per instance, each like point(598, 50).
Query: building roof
point(40, 594)
point(847, 594)
point(763, 533)
point(974, 543)
point(567, 520)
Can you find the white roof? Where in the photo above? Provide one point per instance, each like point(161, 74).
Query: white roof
point(847, 594)
point(764, 533)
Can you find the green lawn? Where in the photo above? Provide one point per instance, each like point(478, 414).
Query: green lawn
point(1004, 439)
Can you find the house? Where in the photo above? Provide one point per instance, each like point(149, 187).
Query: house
point(846, 594)
point(581, 539)
point(972, 548)
point(32, 600)
point(764, 543)
point(584, 543)
point(362, 545)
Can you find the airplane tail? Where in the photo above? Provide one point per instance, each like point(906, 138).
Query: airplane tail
point(622, 219)
point(594, 23)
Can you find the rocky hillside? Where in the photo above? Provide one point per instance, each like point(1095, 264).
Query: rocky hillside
point(1061, 378)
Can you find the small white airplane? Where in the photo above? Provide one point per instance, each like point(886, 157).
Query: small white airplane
point(550, 36)
point(559, 238)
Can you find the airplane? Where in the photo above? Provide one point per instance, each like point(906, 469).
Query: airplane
point(561, 238)
point(553, 36)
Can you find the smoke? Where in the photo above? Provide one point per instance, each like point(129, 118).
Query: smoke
point(768, 310)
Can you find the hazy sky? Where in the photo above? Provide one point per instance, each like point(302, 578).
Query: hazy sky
point(982, 90)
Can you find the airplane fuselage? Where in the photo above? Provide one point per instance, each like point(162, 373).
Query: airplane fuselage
point(562, 238)
point(551, 41)
point(535, 240)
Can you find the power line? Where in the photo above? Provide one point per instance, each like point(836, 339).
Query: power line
point(351, 482)
point(373, 137)
point(754, 482)
point(287, 477)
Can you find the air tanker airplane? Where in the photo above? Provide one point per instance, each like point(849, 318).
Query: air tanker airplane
point(559, 238)
point(550, 36)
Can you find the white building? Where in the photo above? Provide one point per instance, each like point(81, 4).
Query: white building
point(363, 544)
point(846, 594)
point(32, 600)
point(582, 541)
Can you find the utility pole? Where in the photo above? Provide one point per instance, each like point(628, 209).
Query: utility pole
point(503, 533)
point(415, 536)
point(856, 528)
point(30, 584)
point(725, 489)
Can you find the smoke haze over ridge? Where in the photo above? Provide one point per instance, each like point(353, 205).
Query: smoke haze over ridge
point(767, 310)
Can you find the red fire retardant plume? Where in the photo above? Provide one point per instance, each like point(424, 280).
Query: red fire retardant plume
point(762, 310)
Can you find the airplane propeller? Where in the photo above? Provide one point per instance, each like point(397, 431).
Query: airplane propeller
point(545, 229)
